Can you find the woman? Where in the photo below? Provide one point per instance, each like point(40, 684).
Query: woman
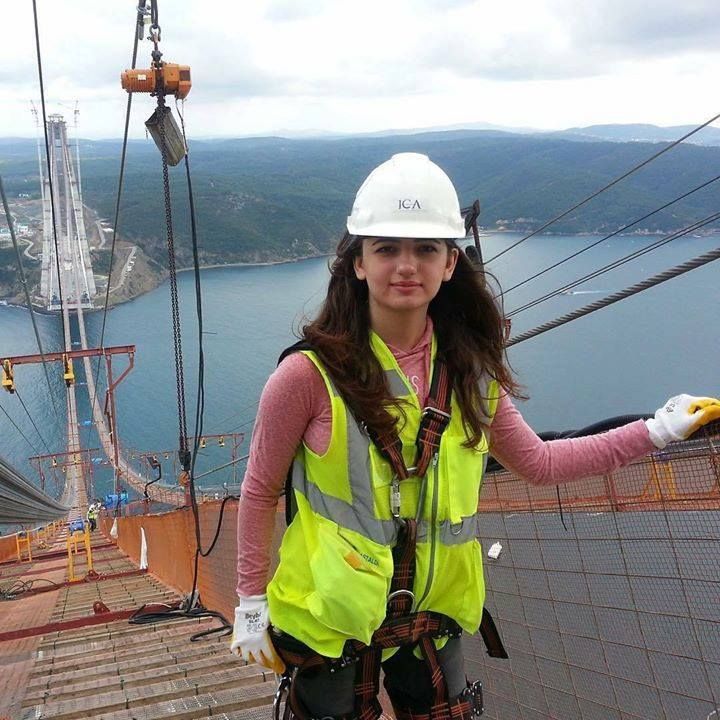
point(386, 411)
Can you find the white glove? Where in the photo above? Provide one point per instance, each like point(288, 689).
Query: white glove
point(250, 633)
point(680, 417)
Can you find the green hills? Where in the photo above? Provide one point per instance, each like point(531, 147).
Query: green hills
point(267, 199)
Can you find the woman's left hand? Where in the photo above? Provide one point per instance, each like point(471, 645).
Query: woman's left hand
point(680, 417)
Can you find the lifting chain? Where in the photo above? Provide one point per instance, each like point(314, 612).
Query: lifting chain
point(184, 454)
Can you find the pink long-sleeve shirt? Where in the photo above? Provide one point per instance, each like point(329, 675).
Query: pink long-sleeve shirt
point(295, 407)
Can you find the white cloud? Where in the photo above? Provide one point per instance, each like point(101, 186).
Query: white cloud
point(344, 66)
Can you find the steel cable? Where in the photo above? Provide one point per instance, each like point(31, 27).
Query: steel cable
point(47, 159)
point(34, 424)
point(21, 501)
point(139, 24)
point(607, 237)
point(606, 187)
point(15, 425)
point(621, 295)
point(23, 281)
point(617, 263)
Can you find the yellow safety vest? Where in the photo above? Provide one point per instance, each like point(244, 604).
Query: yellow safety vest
point(336, 560)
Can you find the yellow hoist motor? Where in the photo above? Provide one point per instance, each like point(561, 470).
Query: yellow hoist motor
point(68, 372)
point(174, 79)
point(162, 79)
point(8, 379)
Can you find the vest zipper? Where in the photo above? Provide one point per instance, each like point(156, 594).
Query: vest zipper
point(433, 531)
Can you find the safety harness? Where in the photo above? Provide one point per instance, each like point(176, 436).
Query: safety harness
point(401, 627)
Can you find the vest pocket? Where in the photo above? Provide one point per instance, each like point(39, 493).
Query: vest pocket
point(463, 469)
point(351, 576)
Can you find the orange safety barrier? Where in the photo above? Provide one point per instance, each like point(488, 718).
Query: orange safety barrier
point(681, 477)
point(8, 548)
point(10, 544)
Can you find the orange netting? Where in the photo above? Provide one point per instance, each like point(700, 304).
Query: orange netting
point(683, 477)
point(170, 539)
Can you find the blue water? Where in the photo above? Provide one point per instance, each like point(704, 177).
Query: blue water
point(627, 358)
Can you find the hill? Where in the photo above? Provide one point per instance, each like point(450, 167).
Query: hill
point(265, 199)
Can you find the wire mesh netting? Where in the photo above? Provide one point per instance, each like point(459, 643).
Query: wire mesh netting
point(608, 601)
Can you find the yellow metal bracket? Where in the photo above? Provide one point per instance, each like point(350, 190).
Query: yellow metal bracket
point(23, 538)
point(8, 378)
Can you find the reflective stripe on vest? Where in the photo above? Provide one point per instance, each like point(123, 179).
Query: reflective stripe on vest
point(383, 532)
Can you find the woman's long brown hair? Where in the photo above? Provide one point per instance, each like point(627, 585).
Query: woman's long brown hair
point(468, 325)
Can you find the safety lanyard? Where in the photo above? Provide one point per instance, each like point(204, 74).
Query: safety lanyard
point(435, 418)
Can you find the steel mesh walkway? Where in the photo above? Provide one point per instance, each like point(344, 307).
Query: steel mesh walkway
point(617, 613)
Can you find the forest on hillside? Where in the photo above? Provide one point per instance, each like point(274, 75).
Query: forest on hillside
point(265, 199)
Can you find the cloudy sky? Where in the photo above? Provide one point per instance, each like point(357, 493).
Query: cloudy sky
point(264, 66)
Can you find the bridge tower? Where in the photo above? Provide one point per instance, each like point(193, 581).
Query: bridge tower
point(76, 283)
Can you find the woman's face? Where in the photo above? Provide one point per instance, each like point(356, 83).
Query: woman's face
point(404, 274)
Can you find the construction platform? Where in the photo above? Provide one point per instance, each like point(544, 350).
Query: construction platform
point(67, 649)
point(605, 592)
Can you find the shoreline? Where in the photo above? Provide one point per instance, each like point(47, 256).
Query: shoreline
point(266, 263)
point(43, 311)
point(285, 261)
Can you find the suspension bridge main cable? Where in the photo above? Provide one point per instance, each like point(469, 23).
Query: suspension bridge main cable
point(603, 189)
point(23, 281)
point(47, 160)
point(607, 237)
point(617, 263)
point(139, 29)
point(657, 279)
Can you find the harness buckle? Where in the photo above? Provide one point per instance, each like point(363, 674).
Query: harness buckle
point(436, 414)
point(397, 593)
point(395, 497)
point(395, 491)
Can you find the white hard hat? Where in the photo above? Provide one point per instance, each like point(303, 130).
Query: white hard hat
point(407, 196)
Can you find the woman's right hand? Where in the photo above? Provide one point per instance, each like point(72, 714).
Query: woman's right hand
point(251, 639)
point(680, 417)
